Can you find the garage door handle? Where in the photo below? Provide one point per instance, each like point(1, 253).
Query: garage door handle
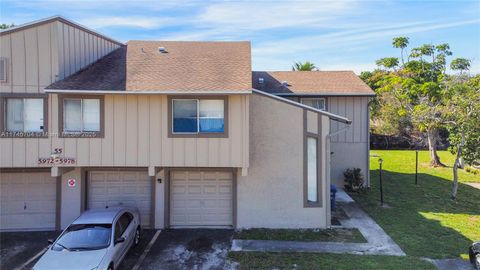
point(24, 206)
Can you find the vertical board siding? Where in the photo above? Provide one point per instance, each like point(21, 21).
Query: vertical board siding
point(31, 60)
point(18, 62)
point(107, 150)
point(355, 109)
point(135, 135)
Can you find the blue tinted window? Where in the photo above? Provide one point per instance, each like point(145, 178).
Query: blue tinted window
point(211, 116)
point(185, 118)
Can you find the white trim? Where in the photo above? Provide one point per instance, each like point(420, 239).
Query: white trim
point(147, 92)
point(294, 103)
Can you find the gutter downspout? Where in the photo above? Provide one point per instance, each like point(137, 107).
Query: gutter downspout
point(328, 154)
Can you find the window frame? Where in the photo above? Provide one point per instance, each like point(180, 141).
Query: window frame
point(22, 134)
point(198, 134)
point(5, 69)
point(81, 134)
point(318, 137)
point(314, 98)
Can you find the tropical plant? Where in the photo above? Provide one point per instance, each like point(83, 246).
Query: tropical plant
point(413, 94)
point(5, 26)
point(463, 118)
point(304, 66)
point(354, 180)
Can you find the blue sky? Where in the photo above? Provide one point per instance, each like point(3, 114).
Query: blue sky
point(335, 35)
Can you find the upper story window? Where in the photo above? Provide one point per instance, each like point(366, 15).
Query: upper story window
point(24, 115)
point(317, 103)
point(203, 116)
point(82, 116)
point(3, 69)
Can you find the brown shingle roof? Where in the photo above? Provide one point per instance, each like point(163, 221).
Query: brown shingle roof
point(108, 73)
point(310, 83)
point(189, 66)
point(185, 67)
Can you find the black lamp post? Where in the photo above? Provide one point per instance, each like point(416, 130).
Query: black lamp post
point(380, 161)
point(416, 166)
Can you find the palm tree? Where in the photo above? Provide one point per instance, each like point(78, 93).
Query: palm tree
point(307, 66)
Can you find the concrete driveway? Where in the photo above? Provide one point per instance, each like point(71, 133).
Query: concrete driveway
point(16, 248)
point(190, 249)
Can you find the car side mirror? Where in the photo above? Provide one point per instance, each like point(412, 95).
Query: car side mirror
point(119, 240)
point(50, 241)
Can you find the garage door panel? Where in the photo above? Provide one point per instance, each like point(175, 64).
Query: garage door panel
point(201, 198)
point(28, 201)
point(126, 188)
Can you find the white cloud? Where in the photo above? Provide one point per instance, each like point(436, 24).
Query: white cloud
point(349, 38)
point(268, 14)
point(127, 21)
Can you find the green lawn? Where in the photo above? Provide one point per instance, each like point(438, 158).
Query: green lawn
point(328, 235)
point(265, 260)
point(421, 218)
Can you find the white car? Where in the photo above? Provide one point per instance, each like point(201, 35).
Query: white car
point(97, 240)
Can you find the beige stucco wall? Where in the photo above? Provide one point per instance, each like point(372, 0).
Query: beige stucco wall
point(42, 54)
point(272, 195)
point(136, 134)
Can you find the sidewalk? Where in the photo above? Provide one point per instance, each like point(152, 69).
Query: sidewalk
point(378, 242)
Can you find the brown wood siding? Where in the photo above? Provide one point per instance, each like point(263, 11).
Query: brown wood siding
point(135, 134)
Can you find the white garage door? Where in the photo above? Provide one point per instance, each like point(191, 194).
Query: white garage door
point(114, 188)
point(28, 201)
point(201, 199)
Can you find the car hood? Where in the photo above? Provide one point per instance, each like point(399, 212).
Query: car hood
point(72, 260)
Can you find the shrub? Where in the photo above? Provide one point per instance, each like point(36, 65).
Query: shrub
point(354, 180)
point(472, 170)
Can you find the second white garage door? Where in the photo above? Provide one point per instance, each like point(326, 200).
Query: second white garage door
point(114, 188)
point(201, 198)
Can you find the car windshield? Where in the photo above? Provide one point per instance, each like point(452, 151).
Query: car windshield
point(84, 237)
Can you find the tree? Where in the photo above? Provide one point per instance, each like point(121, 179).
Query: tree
point(463, 116)
point(400, 43)
point(388, 62)
point(5, 26)
point(307, 66)
point(415, 90)
point(460, 64)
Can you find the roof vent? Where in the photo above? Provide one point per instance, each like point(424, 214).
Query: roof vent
point(162, 49)
point(261, 80)
point(285, 83)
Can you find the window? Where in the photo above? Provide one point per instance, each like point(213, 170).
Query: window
point(24, 115)
point(81, 116)
point(125, 220)
point(198, 116)
point(122, 224)
point(312, 172)
point(3, 69)
point(84, 237)
point(317, 103)
point(118, 230)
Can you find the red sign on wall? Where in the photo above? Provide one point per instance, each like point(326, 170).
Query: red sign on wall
point(71, 182)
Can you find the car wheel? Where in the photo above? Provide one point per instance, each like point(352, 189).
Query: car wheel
point(137, 237)
point(477, 261)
